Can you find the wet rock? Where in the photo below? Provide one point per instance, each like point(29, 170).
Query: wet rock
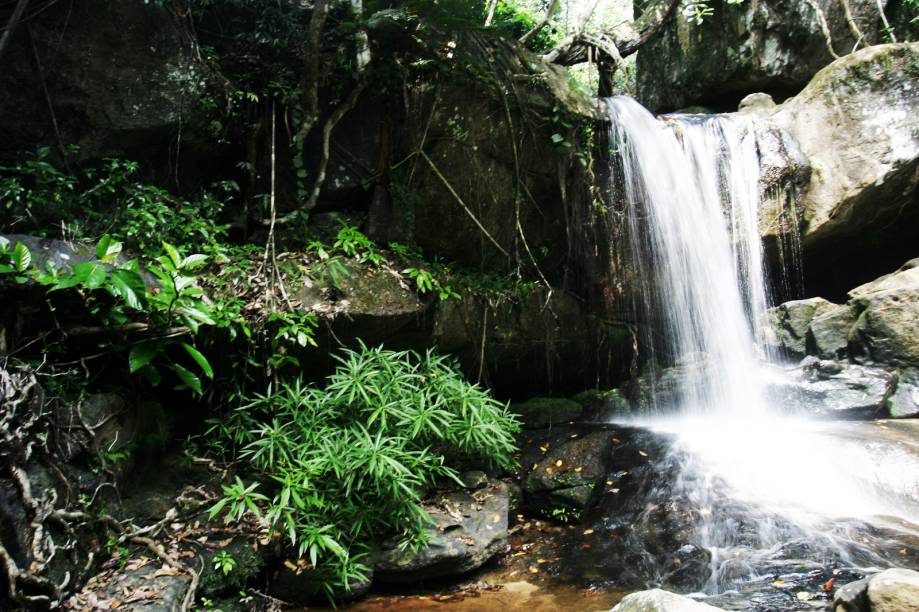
point(830, 331)
point(904, 403)
point(894, 590)
point(758, 103)
point(471, 527)
point(474, 479)
point(852, 597)
point(539, 412)
point(791, 321)
point(247, 564)
point(567, 473)
point(857, 122)
point(603, 405)
point(293, 583)
point(834, 389)
point(774, 46)
point(888, 317)
point(658, 600)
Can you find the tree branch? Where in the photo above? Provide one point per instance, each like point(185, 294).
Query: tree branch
point(627, 39)
point(543, 23)
point(11, 24)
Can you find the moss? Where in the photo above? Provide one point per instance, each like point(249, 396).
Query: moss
point(248, 565)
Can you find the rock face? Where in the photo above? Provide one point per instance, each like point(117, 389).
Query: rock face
point(658, 600)
point(120, 77)
point(791, 323)
point(858, 123)
point(773, 46)
point(471, 528)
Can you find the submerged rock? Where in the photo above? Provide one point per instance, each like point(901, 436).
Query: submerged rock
point(894, 590)
point(658, 600)
point(471, 527)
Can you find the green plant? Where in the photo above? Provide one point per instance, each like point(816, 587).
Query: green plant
point(116, 292)
point(350, 462)
point(355, 244)
point(224, 562)
point(427, 282)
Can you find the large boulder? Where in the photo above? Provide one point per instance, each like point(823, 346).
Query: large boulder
point(894, 590)
point(888, 316)
point(115, 78)
point(858, 123)
point(790, 323)
point(774, 46)
point(538, 412)
point(566, 470)
point(658, 600)
point(471, 528)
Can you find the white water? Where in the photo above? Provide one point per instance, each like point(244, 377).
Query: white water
point(691, 190)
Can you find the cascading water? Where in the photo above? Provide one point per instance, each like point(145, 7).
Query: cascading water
point(757, 479)
point(691, 200)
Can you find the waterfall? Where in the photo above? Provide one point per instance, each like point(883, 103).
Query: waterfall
point(690, 188)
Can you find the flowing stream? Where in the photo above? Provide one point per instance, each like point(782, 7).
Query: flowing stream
point(768, 491)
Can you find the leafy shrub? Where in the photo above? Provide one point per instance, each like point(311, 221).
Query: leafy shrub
point(107, 199)
point(351, 462)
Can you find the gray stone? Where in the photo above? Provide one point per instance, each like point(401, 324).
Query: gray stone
point(471, 527)
point(474, 479)
point(830, 331)
point(658, 600)
point(894, 590)
point(791, 321)
point(857, 122)
point(539, 412)
point(771, 46)
point(757, 104)
point(296, 583)
point(904, 403)
point(888, 321)
point(852, 597)
point(834, 389)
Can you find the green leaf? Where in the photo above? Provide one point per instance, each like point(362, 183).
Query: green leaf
point(126, 285)
point(21, 257)
point(174, 254)
point(193, 261)
point(200, 359)
point(142, 354)
point(190, 380)
point(90, 274)
point(108, 249)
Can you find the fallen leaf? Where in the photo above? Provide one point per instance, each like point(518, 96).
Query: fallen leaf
point(558, 463)
point(776, 583)
point(827, 586)
point(550, 471)
point(578, 469)
point(609, 483)
point(804, 596)
point(533, 569)
point(642, 453)
point(588, 531)
point(541, 561)
point(617, 440)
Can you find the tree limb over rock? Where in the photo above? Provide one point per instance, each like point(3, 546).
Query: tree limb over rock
point(625, 39)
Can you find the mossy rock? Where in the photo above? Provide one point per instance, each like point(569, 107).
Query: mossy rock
point(248, 564)
point(539, 412)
